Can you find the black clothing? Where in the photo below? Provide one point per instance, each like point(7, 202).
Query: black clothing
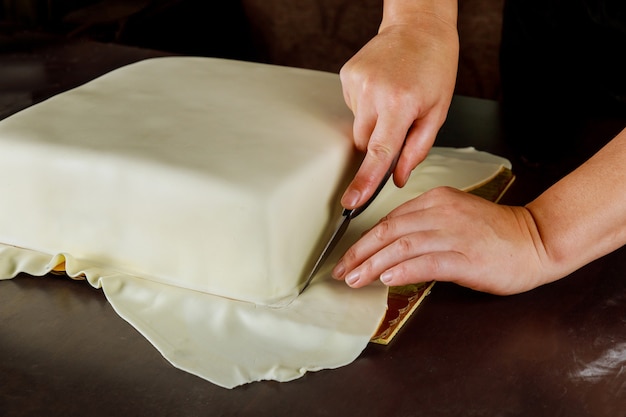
point(563, 62)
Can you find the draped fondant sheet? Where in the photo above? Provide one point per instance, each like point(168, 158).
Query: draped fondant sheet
point(230, 342)
point(162, 139)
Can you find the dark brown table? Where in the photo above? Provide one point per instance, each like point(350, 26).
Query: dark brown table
point(559, 350)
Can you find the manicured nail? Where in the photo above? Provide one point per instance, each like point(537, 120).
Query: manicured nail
point(351, 198)
point(386, 277)
point(352, 277)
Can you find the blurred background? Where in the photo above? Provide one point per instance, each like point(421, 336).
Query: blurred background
point(316, 34)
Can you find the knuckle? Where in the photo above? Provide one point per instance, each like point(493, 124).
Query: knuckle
point(438, 192)
point(380, 150)
point(404, 245)
point(432, 266)
point(399, 99)
point(348, 71)
point(383, 230)
point(440, 196)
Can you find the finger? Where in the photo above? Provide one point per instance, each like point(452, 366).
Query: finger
point(419, 140)
point(384, 143)
point(383, 234)
point(429, 204)
point(444, 265)
point(402, 249)
point(363, 126)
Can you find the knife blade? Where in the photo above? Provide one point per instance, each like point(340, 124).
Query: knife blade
point(344, 221)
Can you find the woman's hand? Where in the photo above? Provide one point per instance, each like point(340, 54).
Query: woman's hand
point(399, 87)
point(449, 235)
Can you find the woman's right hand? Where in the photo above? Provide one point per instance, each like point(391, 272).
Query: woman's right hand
point(399, 87)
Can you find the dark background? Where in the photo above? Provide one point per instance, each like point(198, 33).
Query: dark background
point(317, 34)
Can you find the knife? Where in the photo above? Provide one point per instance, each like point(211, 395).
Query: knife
point(344, 221)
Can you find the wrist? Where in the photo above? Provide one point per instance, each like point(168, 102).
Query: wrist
point(420, 14)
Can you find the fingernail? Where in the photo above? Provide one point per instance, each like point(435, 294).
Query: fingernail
point(352, 277)
point(350, 199)
point(339, 270)
point(386, 277)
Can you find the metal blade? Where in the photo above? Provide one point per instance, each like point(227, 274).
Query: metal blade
point(342, 226)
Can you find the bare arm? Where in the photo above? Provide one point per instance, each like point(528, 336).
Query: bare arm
point(583, 216)
point(448, 235)
point(399, 87)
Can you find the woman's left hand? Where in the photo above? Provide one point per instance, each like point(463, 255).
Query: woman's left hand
point(449, 235)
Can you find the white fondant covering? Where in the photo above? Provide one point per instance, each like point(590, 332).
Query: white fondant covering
point(130, 156)
point(183, 169)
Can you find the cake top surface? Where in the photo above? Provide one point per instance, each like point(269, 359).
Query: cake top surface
point(121, 115)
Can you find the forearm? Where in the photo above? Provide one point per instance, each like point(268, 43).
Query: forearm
point(583, 216)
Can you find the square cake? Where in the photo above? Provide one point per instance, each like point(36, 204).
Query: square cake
point(214, 175)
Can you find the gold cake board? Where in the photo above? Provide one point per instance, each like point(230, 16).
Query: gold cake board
point(402, 301)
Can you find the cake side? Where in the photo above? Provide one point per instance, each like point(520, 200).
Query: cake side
point(316, 207)
point(183, 170)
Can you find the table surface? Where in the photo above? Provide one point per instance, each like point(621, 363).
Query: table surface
point(559, 350)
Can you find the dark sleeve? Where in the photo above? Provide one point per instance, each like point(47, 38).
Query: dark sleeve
point(561, 61)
